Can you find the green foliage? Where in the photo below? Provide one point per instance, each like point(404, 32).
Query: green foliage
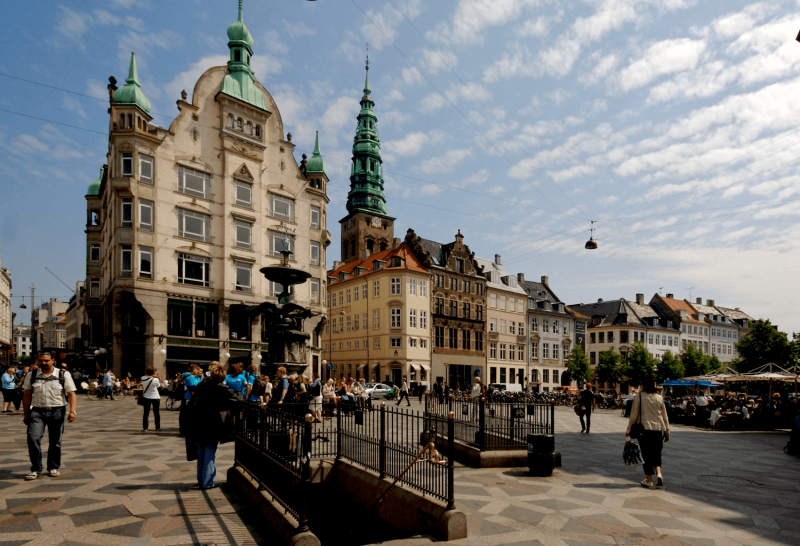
point(640, 363)
point(607, 370)
point(670, 367)
point(765, 344)
point(578, 365)
point(694, 361)
point(25, 360)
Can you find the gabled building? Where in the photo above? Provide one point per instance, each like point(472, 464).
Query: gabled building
point(692, 324)
point(723, 331)
point(552, 335)
point(182, 218)
point(506, 315)
point(458, 309)
point(23, 344)
point(663, 334)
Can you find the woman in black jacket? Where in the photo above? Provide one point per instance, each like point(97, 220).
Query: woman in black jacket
point(210, 405)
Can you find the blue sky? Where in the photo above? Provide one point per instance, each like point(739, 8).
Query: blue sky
point(673, 123)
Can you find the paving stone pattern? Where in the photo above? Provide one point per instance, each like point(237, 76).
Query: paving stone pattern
point(121, 486)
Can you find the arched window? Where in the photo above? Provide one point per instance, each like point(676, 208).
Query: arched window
point(258, 131)
point(121, 121)
point(248, 128)
point(230, 120)
point(237, 56)
point(194, 134)
point(130, 121)
point(139, 122)
point(144, 125)
point(239, 124)
point(383, 247)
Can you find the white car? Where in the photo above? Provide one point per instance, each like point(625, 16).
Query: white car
point(377, 390)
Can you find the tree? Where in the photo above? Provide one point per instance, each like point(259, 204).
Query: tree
point(639, 364)
point(24, 360)
point(578, 365)
point(607, 370)
point(670, 367)
point(694, 361)
point(763, 345)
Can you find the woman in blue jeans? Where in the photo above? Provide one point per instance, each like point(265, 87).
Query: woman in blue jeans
point(211, 401)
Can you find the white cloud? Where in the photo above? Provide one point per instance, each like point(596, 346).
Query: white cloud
point(496, 190)
point(471, 17)
point(435, 61)
point(560, 95)
point(432, 102)
point(602, 68)
point(410, 145)
point(71, 104)
point(431, 189)
point(739, 234)
point(607, 200)
point(298, 29)
point(411, 76)
point(274, 43)
point(475, 179)
point(471, 91)
point(74, 25)
point(665, 57)
point(444, 163)
point(188, 78)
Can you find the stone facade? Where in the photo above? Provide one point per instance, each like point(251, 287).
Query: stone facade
point(182, 219)
point(23, 344)
point(5, 316)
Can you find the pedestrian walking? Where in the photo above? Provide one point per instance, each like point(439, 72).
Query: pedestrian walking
point(9, 390)
point(648, 409)
point(587, 406)
point(404, 392)
point(108, 384)
point(211, 424)
point(151, 398)
point(46, 394)
point(315, 393)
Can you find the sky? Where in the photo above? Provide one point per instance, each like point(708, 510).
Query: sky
point(673, 124)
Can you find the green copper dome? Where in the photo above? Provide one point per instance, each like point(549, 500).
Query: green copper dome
point(94, 187)
point(238, 32)
point(131, 93)
point(315, 164)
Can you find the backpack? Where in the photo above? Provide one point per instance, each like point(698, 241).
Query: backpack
point(259, 387)
point(61, 379)
point(316, 389)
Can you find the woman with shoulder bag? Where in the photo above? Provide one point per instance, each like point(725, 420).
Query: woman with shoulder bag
point(150, 398)
point(649, 424)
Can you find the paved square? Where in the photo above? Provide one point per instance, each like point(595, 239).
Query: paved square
point(121, 486)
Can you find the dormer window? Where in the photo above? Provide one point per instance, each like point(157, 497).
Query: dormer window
point(341, 276)
point(396, 261)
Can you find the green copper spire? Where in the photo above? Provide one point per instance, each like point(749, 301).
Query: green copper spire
point(239, 82)
point(366, 178)
point(131, 93)
point(315, 164)
point(94, 187)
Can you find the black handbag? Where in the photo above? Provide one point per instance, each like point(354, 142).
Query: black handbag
point(637, 428)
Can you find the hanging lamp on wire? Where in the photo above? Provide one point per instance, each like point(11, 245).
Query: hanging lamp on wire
point(591, 244)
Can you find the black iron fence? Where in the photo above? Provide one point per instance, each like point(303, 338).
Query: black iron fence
point(493, 426)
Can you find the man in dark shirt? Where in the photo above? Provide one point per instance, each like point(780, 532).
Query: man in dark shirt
point(586, 400)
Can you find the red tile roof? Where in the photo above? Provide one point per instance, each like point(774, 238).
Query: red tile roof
point(682, 305)
point(409, 262)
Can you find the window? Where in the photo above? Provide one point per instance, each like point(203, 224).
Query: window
point(453, 308)
point(314, 217)
point(459, 265)
point(282, 207)
point(610, 337)
point(566, 328)
point(521, 353)
point(452, 338)
point(278, 242)
point(248, 128)
point(502, 351)
point(376, 289)
point(520, 306)
point(349, 323)
point(355, 293)
point(493, 301)
point(423, 289)
point(193, 182)
point(412, 318)
point(555, 351)
point(423, 320)
point(126, 266)
point(395, 287)
point(534, 328)
point(347, 293)
point(230, 121)
point(376, 343)
point(512, 328)
point(466, 342)
point(623, 336)
point(193, 269)
point(244, 234)
point(94, 253)
point(355, 322)
point(545, 325)
point(364, 291)
point(438, 339)
point(396, 342)
point(423, 343)
point(145, 169)
point(94, 288)
point(555, 326)
point(127, 164)
point(534, 350)
point(453, 283)
point(244, 194)
point(502, 326)
point(493, 350)
point(146, 262)
point(239, 124)
point(502, 302)
point(127, 212)
point(479, 341)
point(315, 258)
point(412, 287)
point(376, 319)
point(467, 287)
point(521, 329)
point(545, 350)
point(243, 277)
point(555, 376)
point(194, 225)
point(467, 311)
point(545, 376)
point(395, 316)
point(479, 312)
point(493, 325)
point(314, 290)
point(145, 214)
point(412, 342)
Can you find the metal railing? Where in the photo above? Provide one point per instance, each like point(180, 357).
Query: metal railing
point(493, 426)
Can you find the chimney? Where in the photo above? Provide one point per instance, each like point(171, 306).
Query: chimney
point(710, 303)
point(337, 265)
point(545, 280)
point(670, 296)
point(599, 300)
point(737, 309)
point(366, 254)
point(497, 259)
point(640, 299)
point(521, 277)
point(395, 243)
point(699, 301)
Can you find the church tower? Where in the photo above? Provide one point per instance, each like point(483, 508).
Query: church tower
point(367, 228)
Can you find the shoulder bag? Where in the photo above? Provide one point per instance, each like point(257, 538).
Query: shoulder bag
point(637, 428)
point(140, 397)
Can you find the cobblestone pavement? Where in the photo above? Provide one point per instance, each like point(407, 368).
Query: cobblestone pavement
point(121, 486)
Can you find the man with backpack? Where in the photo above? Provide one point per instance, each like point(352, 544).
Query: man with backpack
point(258, 385)
point(46, 394)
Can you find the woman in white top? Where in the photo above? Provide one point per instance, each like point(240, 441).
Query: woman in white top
point(648, 409)
point(151, 398)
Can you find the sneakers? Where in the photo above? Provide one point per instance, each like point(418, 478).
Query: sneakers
point(659, 481)
point(647, 484)
point(32, 476)
point(54, 473)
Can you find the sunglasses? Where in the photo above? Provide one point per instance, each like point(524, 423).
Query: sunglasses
point(44, 353)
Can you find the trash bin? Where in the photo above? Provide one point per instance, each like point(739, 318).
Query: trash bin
point(541, 454)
